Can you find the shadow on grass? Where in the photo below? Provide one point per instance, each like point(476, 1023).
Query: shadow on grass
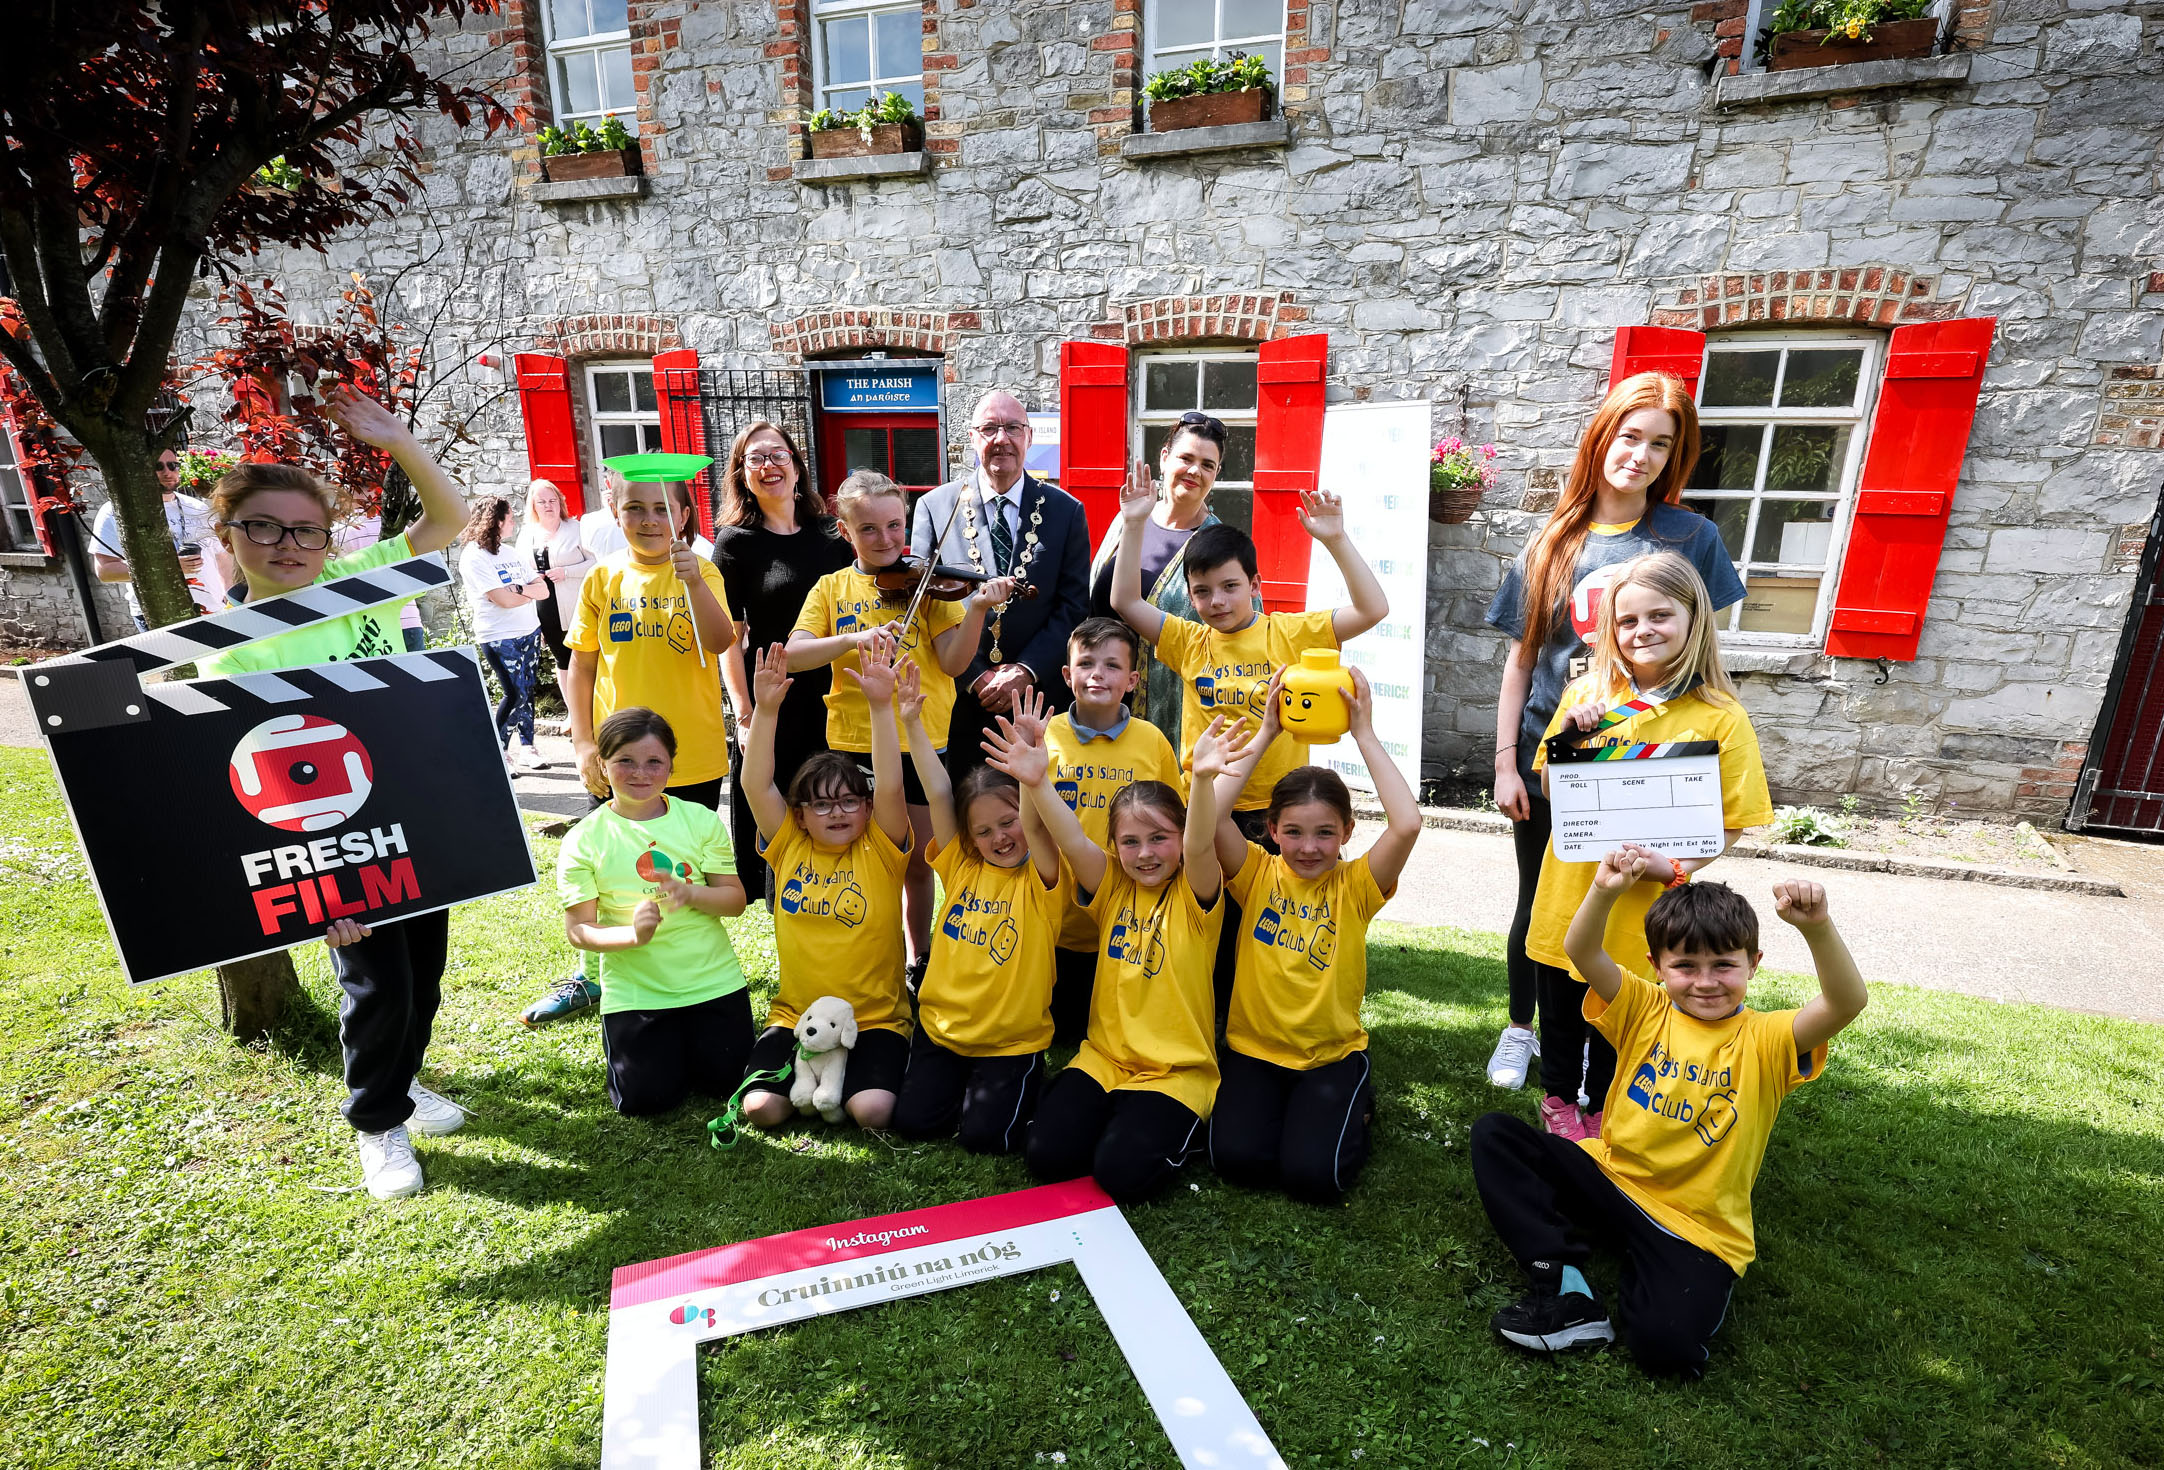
point(1945, 1271)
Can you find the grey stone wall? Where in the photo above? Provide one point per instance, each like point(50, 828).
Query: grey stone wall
point(38, 605)
point(1477, 194)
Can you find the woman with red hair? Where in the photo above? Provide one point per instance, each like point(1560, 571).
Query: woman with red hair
point(1623, 499)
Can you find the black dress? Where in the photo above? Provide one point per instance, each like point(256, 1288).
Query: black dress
point(767, 577)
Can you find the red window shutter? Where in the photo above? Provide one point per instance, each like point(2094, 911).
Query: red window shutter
point(1671, 350)
point(683, 426)
point(552, 436)
point(1093, 429)
point(1919, 435)
point(1289, 377)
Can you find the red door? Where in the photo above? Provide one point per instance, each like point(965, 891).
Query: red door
point(902, 446)
point(2123, 787)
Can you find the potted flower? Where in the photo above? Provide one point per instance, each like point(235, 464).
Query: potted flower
point(1836, 32)
point(1210, 94)
point(608, 152)
point(886, 124)
point(1458, 475)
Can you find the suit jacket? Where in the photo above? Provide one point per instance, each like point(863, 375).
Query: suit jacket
point(1036, 629)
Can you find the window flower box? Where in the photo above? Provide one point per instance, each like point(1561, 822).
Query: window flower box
point(1210, 93)
point(614, 163)
point(1885, 41)
point(852, 142)
point(1211, 110)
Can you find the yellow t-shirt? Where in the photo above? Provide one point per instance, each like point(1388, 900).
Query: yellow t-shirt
point(1744, 803)
point(1153, 1012)
point(838, 926)
point(1228, 673)
point(1303, 963)
point(1693, 1103)
point(638, 619)
point(848, 600)
point(988, 990)
point(1088, 774)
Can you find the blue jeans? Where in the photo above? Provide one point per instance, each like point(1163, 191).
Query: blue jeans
point(517, 663)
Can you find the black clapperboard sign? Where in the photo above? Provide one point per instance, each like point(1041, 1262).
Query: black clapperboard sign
point(231, 817)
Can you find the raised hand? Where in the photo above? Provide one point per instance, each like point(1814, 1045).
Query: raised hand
point(1008, 749)
point(908, 691)
point(1360, 705)
point(645, 919)
point(1140, 495)
point(1801, 902)
point(365, 419)
point(874, 673)
point(1029, 716)
point(1658, 866)
point(1620, 869)
point(1322, 514)
point(770, 677)
point(1213, 748)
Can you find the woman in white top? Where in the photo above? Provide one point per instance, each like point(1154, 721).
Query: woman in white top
point(503, 588)
point(552, 542)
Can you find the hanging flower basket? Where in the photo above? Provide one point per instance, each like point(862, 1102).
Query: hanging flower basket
point(1885, 41)
point(1459, 474)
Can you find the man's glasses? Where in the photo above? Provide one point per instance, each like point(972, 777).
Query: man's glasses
point(270, 533)
point(168, 466)
point(994, 431)
point(840, 806)
point(761, 461)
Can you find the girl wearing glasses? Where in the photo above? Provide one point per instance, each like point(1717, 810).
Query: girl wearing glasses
point(839, 845)
point(275, 521)
point(773, 545)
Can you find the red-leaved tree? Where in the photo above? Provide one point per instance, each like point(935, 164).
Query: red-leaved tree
point(133, 136)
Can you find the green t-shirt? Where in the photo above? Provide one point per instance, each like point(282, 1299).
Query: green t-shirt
point(689, 959)
point(370, 634)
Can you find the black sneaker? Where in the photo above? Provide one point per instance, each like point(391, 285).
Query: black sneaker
point(1547, 1322)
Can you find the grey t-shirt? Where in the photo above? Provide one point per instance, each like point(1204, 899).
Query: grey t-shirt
point(1563, 656)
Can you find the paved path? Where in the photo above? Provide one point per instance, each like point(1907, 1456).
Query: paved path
point(2086, 954)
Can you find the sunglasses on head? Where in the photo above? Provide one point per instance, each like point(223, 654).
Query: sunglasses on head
point(1201, 421)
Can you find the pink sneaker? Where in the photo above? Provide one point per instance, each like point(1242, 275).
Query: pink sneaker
point(1590, 1122)
point(1561, 1118)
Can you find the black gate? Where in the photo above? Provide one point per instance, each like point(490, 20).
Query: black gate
point(2122, 782)
point(732, 398)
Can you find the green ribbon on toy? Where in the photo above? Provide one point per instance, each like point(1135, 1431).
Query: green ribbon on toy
point(658, 469)
point(724, 1131)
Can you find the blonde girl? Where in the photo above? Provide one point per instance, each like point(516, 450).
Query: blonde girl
point(1131, 1106)
point(984, 1011)
point(838, 844)
point(1297, 1096)
point(1655, 676)
point(1622, 498)
point(550, 539)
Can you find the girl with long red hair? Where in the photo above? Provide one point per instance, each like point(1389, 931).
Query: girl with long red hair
point(1623, 499)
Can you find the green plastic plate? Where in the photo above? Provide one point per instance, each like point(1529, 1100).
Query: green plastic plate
point(652, 469)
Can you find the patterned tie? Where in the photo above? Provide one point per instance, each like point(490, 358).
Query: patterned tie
point(1002, 537)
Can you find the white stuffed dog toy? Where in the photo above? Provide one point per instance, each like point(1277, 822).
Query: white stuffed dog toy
point(824, 1034)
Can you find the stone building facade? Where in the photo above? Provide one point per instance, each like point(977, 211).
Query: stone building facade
point(1471, 198)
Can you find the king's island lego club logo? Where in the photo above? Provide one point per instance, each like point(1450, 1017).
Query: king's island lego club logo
point(301, 773)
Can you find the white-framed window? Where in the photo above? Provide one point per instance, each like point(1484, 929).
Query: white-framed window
point(1215, 381)
point(1176, 32)
point(589, 45)
point(18, 521)
point(862, 47)
point(620, 403)
point(1781, 430)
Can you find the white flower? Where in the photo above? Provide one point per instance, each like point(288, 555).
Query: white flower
point(1055, 1296)
point(1059, 1457)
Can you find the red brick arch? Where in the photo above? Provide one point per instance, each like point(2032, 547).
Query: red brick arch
point(1244, 316)
point(1856, 295)
point(596, 336)
point(845, 329)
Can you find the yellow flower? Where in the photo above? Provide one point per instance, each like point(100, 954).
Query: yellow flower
point(1855, 29)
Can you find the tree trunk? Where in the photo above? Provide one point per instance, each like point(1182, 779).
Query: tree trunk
point(254, 994)
point(127, 456)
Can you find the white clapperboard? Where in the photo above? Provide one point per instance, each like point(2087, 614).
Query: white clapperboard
point(225, 818)
point(1664, 796)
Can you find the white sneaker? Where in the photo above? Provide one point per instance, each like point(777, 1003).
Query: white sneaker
point(433, 1114)
point(525, 758)
point(1513, 1056)
point(388, 1165)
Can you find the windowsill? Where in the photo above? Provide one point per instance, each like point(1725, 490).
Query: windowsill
point(1798, 662)
point(1751, 88)
point(1271, 132)
point(585, 191)
point(870, 166)
point(28, 561)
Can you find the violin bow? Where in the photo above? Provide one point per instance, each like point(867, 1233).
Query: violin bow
point(931, 564)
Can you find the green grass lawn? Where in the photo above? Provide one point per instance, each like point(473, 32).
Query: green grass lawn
point(1955, 1230)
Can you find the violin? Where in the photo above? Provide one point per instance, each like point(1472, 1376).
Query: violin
point(901, 580)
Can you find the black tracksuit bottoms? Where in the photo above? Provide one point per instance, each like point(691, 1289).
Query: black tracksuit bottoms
point(1132, 1142)
point(1552, 1205)
point(1303, 1132)
point(658, 1059)
point(393, 982)
point(989, 1099)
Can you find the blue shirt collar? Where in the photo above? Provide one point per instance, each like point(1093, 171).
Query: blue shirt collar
point(1085, 734)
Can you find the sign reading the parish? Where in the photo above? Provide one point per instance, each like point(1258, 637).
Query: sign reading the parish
point(879, 388)
point(230, 817)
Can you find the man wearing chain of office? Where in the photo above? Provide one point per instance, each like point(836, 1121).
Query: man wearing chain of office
point(1003, 521)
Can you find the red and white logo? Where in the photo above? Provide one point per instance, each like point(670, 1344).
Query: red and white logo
point(1585, 600)
point(301, 772)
